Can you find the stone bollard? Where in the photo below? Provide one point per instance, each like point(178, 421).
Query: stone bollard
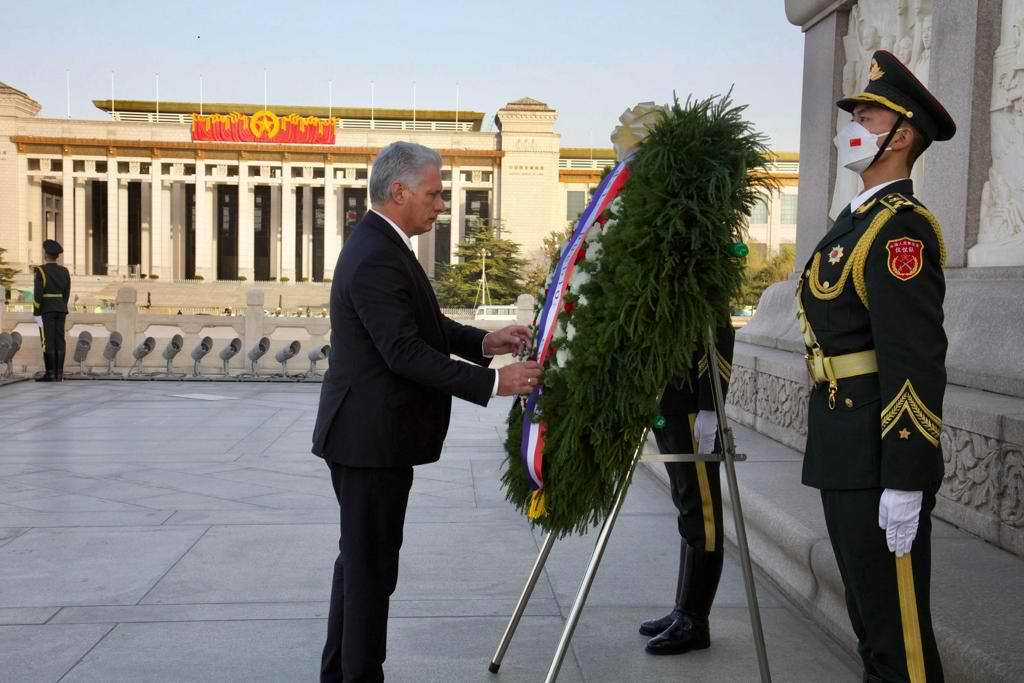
point(126, 316)
point(524, 309)
point(254, 300)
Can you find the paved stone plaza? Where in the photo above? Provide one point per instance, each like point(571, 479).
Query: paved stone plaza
point(182, 531)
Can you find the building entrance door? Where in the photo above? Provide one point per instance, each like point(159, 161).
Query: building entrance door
point(190, 232)
point(134, 227)
point(354, 201)
point(227, 232)
point(318, 234)
point(261, 227)
point(99, 227)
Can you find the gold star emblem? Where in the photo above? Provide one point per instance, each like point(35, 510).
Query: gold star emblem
point(875, 72)
point(904, 433)
point(836, 255)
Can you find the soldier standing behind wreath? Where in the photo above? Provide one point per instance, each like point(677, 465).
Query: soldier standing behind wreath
point(870, 309)
point(50, 308)
point(691, 426)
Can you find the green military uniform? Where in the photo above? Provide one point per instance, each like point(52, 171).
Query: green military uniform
point(50, 303)
point(870, 308)
point(697, 494)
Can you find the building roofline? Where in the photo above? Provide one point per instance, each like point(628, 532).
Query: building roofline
point(381, 113)
point(586, 153)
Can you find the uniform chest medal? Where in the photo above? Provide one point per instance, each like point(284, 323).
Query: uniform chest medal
point(905, 257)
point(836, 255)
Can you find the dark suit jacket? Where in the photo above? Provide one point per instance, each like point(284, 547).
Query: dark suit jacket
point(386, 397)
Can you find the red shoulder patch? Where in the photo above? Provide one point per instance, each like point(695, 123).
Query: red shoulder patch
point(906, 257)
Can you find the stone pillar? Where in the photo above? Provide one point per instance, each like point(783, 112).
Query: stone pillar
point(112, 218)
point(21, 225)
point(67, 215)
point(157, 227)
point(332, 226)
point(307, 232)
point(126, 315)
point(455, 232)
point(287, 227)
point(204, 228)
point(167, 255)
point(146, 218)
point(822, 86)
point(81, 234)
point(254, 300)
point(122, 227)
point(246, 229)
point(524, 309)
point(275, 231)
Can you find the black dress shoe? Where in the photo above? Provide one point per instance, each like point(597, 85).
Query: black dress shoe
point(685, 634)
point(45, 378)
point(655, 626)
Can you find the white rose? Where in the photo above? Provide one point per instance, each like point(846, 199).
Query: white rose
point(562, 357)
point(636, 125)
point(581, 301)
point(579, 278)
point(559, 330)
point(570, 331)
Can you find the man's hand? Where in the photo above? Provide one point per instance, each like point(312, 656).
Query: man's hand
point(705, 428)
point(506, 340)
point(898, 513)
point(518, 378)
point(38, 319)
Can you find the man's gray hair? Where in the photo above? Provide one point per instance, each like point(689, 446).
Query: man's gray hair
point(403, 162)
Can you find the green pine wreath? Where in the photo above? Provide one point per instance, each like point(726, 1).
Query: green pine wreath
point(659, 274)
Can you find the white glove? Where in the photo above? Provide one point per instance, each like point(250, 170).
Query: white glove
point(38, 319)
point(705, 428)
point(899, 513)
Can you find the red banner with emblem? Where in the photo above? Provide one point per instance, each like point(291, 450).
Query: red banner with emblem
point(263, 126)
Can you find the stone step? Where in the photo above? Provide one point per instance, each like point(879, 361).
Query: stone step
point(976, 586)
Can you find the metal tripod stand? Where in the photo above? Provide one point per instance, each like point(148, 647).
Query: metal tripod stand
point(729, 456)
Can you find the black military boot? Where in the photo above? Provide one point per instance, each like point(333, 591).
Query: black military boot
point(47, 375)
point(699, 575)
point(656, 626)
point(58, 370)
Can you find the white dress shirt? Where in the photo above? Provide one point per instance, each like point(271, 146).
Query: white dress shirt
point(408, 243)
point(868, 194)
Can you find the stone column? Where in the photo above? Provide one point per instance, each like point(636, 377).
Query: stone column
point(955, 171)
point(275, 231)
point(21, 225)
point(67, 215)
point(455, 231)
point(287, 227)
point(204, 228)
point(81, 253)
point(167, 256)
point(246, 228)
point(122, 226)
point(307, 232)
point(157, 227)
point(254, 300)
point(822, 86)
point(112, 218)
point(180, 209)
point(126, 315)
point(332, 226)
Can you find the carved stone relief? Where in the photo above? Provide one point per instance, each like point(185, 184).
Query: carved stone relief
point(984, 474)
point(904, 28)
point(1001, 227)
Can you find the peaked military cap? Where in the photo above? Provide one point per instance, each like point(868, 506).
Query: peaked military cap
point(52, 247)
point(893, 86)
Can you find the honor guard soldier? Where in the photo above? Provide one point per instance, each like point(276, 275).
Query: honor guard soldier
point(869, 303)
point(50, 307)
point(690, 426)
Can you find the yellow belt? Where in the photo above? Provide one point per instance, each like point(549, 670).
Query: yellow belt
point(824, 368)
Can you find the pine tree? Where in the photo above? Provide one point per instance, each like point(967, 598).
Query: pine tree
point(458, 285)
point(6, 273)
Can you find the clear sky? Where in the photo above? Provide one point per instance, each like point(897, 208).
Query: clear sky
point(589, 60)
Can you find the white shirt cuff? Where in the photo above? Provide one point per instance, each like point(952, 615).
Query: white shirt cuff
point(494, 391)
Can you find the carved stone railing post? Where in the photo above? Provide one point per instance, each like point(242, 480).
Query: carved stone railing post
point(125, 319)
point(254, 300)
point(524, 309)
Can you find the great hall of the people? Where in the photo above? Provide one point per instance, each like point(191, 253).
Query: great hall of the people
point(228, 191)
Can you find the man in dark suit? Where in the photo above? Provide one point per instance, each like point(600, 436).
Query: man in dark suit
point(385, 402)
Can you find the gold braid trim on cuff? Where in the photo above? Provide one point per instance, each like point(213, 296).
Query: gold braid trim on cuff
point(907, 401)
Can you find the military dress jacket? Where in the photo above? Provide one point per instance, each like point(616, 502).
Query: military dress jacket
point(875, 282)
point(52, 289)
point(690, 393)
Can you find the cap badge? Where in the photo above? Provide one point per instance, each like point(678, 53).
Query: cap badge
point(875, 72)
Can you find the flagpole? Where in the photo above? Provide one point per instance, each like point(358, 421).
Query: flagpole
point(371, 105)
point(67, 90)
point(200, 94)
point(265, 88)
point(112, 112)
point(457, 103)
point(158, 97)
point(330, 98)
point(414, 105)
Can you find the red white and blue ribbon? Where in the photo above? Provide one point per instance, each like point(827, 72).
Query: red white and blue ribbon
point(532, 448)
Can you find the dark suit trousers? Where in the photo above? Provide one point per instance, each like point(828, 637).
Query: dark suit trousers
point(373, 502)
point(52, 337)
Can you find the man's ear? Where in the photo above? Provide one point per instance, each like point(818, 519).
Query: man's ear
point(902, 140)
point(397, 193)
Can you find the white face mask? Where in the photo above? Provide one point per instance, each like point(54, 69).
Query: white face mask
point(857, 146)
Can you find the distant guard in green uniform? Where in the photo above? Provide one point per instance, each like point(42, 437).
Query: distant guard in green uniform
point(50, 307)
point(691, 426)
point(870, 309)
